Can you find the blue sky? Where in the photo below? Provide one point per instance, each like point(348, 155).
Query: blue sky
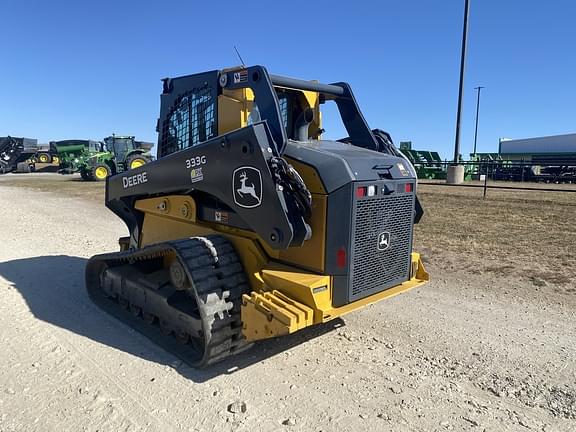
point(87, 69)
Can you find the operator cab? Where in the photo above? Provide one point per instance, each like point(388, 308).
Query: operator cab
point(196, 108)
point(120, 146)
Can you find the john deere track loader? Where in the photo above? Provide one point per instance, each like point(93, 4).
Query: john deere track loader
point(250, 225)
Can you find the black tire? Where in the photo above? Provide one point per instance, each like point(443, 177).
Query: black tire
point(97, 172)
point(86, 175)
point(24, 167)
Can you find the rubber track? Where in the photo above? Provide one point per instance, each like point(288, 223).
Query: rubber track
point(218, 282)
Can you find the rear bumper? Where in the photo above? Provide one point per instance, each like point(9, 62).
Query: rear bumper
point(293, 301)
point(418, 277)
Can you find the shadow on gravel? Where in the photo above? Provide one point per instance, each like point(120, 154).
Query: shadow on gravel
point(53, 287)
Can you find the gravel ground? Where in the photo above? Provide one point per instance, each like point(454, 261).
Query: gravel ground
point(475, 349)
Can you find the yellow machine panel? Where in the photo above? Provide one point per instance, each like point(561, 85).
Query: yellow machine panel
point(285, 300)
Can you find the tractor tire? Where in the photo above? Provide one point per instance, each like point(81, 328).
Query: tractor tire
point(55, 160)
point(136, 161)
point(44, 158)
point(100, 172)
point(86, 175)
point(24, 167)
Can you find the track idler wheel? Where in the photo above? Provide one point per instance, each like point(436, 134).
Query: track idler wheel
point(178, 276)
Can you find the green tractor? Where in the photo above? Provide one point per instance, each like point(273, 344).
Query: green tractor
point(95, 160)
point(73, 153)
point(121, 153)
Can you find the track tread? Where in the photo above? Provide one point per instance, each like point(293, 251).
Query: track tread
point(218, 283)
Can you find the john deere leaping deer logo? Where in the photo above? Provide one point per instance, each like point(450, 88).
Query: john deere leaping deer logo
point(247, 187)
point(383, 241)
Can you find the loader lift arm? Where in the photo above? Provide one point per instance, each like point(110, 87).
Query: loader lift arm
point(277, 218)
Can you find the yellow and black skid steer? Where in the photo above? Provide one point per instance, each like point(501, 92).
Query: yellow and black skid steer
point(250, 225)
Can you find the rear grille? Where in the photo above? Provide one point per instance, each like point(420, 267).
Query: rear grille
point(374, 270)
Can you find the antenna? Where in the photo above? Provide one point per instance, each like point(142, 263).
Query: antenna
point(239, 56)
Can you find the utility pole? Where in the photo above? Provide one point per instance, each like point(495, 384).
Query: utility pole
point(461, 88)
point(455, 172)
point(477, 112)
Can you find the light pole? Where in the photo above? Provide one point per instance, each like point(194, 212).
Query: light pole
point(461, 87)
point(456, 172)
point(477, 112)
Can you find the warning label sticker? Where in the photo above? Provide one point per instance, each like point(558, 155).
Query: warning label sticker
point(402, 169)
point(221, 217)
point(240, 76)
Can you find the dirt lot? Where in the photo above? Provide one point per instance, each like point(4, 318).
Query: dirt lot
point(488, 345)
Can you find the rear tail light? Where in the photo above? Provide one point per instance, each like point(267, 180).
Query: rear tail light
point(408, 187)
point(341, 258)
point(361, 191)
